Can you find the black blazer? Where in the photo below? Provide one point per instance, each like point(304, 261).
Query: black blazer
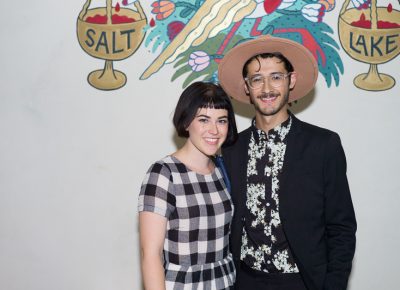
point(316, 210)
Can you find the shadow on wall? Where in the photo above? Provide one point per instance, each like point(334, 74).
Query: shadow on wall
point(178, 141)
point(303, 103)
point(140, 253)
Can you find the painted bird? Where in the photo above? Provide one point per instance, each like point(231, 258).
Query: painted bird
point(212, 17)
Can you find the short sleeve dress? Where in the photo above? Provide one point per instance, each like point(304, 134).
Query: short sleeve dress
point(199, 211)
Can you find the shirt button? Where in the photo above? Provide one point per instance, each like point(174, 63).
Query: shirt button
point(268, 262)
point(268, 204)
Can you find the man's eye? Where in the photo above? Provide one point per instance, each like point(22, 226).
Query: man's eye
point(276, 77)
point(256, 80)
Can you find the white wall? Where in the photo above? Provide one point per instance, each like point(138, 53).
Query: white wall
point(72, 157)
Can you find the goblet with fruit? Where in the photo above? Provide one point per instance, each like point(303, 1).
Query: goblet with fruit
point(110, 33)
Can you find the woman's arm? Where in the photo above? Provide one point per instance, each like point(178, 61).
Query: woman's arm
point(152, 234)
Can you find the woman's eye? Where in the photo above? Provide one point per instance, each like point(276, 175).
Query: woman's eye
point(223, 121)
point(203, 120)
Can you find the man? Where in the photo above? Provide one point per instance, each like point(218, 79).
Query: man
point(294, 223)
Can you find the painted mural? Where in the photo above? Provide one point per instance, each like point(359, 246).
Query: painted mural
point(372, 37)
point(110, 33)
point(194, 35)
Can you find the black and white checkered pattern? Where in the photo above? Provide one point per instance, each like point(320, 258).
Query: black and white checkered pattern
point(199, 212)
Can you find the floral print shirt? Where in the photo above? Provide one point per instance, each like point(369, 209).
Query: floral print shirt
point(264, 245)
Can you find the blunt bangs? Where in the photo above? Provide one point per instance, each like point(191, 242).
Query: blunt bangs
point(200, 95)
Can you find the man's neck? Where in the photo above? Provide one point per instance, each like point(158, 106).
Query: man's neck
point(267, 123)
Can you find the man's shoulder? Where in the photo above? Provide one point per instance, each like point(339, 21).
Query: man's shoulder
point(245, 133)
point(241, 142)
point(243, 136)
point(312, 129)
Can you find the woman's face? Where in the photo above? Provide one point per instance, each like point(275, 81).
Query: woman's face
point(208, 130)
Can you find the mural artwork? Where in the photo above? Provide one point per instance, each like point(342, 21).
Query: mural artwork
point(110, 33)
point(372, 37)
point(194, 35)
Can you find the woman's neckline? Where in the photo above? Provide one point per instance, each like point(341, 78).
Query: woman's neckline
point(190, 169)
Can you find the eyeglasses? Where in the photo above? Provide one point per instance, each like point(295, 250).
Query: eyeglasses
point(274, 80)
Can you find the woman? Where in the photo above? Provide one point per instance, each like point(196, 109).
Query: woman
point(185, 208)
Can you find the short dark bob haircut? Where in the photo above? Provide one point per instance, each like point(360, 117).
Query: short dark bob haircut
point(200, 95)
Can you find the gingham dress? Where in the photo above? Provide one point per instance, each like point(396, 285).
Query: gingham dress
point(199, 212)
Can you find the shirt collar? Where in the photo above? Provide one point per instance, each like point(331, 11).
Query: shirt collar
point(279, 132)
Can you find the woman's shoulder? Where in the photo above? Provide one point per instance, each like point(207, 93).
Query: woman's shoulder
point(168, 164)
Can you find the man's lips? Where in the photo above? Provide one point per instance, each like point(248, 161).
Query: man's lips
point(268, 97)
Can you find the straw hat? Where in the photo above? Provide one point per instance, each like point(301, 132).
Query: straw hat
point(231, 66)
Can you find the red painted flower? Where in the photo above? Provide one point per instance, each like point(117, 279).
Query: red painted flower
point(174, 28)
point(271, 5)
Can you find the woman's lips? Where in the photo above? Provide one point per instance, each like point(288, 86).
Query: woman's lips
point(211, 141)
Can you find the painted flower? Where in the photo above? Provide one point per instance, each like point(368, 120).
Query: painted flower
point(174, 28)
point(313, 12)
point(361, 4)
point(265, 7)
point(162, 9)
point(199, 60)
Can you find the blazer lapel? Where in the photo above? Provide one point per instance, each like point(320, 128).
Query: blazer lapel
point(239, 173)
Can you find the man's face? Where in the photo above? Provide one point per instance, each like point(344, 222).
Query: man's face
point(267, 99)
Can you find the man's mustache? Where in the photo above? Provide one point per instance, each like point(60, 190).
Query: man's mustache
point(265, 95)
